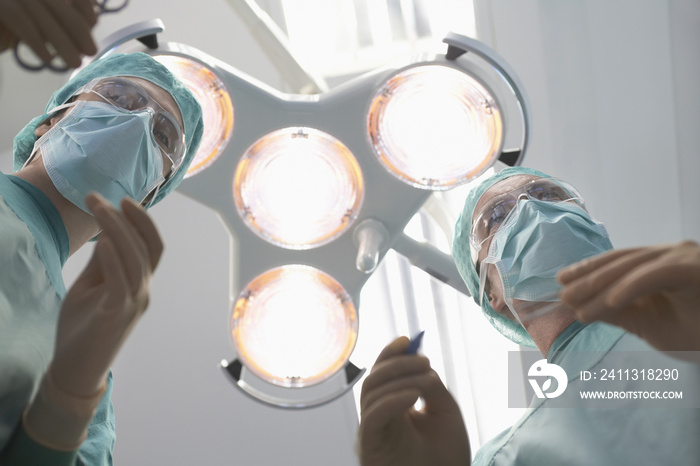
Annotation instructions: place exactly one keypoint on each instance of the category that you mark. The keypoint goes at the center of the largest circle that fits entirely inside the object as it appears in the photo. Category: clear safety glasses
(127, 95)
(491, 216)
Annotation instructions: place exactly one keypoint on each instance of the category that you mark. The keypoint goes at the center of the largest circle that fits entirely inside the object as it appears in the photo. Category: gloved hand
(65, 24)
(101, 308)
(653, 292)
(392, 432)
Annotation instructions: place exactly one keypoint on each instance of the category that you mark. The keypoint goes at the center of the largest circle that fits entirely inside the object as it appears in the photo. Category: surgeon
(116, 139)
(520, 237)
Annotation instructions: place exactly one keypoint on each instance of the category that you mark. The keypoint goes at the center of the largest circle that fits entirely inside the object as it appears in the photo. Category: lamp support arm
(431, 260)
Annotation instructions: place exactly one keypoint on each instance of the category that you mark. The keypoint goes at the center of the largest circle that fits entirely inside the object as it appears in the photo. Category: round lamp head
(294, 326)
(298, 188)
(435, 127)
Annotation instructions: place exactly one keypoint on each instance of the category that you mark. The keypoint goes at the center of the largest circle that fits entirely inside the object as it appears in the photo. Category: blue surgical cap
(137, 65)
(461, 251)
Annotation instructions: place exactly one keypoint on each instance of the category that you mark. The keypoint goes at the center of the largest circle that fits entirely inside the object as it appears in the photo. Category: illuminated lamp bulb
(298, 188)
(435, 127)
(294, 326)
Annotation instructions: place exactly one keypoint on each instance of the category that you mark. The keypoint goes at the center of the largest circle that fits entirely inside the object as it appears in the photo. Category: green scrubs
(33, 248)
(569, 431)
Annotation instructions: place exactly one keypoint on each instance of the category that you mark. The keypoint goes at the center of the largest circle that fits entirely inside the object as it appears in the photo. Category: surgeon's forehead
(160, 95)
(502, 187)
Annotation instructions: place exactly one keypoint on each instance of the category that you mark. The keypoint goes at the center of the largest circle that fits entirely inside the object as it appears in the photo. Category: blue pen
(415, 343)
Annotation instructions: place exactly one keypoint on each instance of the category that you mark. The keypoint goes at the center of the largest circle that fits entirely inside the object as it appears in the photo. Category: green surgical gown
(569, 431)
(33, 248)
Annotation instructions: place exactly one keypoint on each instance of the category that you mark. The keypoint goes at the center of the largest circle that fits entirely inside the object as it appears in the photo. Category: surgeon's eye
(129, 101)
(122, 96)
(163, 140)
(548, 192)
(165, 133)
(499, 212)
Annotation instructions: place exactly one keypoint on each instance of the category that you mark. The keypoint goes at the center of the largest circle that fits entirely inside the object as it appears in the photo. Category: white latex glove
(64, 24)
(392, 432)
(653, 292)
(98, 313)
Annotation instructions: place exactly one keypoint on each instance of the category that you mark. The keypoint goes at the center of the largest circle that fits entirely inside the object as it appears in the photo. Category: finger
(589, 286)
(372, 392)
(598, 308)
(591, 264)
(7, 38)
(53, 36)
(87, 10)
(74, 25)
(130, 249)
(115, 279)
(672, 274)
(389, 370)
(437, 398)
(142, 223)
(92, 273)
(56, 34)
(380, 414)
(632, 317)
(396, 347)
(23, 28)
(397, 366)
(52, 32)
(126, 240)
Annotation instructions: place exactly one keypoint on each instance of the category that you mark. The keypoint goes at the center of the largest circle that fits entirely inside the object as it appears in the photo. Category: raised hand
(108, 298)
(392, 432)
(653, 292)
(50, 27)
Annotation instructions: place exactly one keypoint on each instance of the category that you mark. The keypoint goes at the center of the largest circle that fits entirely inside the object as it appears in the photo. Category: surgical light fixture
(315, 189)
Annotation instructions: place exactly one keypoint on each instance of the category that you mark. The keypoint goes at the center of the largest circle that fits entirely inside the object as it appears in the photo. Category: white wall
(616, 105)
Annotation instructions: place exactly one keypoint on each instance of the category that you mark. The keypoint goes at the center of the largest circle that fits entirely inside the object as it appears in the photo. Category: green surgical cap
(137, 65)
(461, 251)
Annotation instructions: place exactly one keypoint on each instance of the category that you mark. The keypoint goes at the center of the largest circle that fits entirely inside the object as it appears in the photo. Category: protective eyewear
(491, 216)
(27, 59)
(127, 95)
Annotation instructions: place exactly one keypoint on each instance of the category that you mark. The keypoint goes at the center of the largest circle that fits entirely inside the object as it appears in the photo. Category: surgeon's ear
(494, 294)
(496, 302)
(49, 123)
(46, 125)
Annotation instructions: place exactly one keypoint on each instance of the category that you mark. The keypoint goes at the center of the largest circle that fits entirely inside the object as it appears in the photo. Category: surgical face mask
(98, 147)
(535, 241)
(127, 95)
(493, 214)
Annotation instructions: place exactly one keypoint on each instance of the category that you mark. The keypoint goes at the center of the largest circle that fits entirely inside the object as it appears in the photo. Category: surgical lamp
(315, 189)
